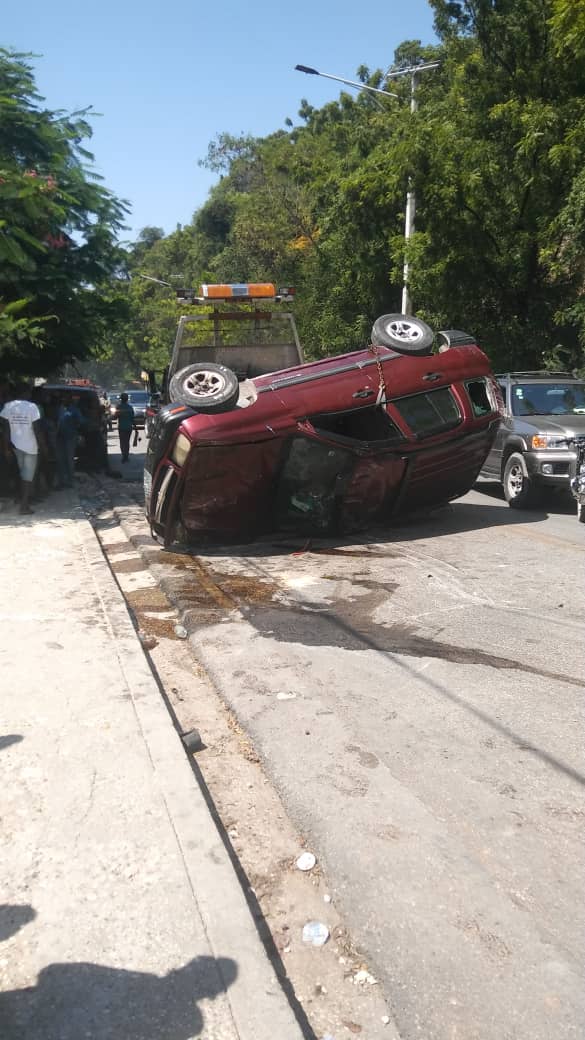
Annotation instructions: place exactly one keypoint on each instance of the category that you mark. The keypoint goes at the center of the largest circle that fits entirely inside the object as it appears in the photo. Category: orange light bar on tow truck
(239, 290)
(243, 291)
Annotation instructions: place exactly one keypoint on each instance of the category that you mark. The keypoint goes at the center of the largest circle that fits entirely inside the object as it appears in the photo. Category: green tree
(58, 227)
(495, 152)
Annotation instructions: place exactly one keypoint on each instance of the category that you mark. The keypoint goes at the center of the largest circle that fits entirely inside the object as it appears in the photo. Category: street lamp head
(341, 79)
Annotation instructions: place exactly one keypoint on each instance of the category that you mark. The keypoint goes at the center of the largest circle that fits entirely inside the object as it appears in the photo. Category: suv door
(492, 466)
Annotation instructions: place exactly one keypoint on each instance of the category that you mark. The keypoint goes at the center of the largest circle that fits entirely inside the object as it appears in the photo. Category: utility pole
(413, 71)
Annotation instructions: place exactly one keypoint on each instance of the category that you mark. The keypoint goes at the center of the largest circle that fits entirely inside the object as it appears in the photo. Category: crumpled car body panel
(318, 452)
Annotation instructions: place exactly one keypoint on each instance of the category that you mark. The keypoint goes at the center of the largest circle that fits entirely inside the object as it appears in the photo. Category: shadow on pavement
(464, 516)
(12, 919)
(556, 502)
(376, 541)
(71, 1001)
(10, 738)
(313, 626)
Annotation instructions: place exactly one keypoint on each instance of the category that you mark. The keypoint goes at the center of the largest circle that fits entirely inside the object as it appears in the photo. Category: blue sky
(167, 78)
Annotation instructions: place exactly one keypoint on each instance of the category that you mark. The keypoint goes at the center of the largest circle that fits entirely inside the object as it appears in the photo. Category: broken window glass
(311, 485)
(478, 396)
(359, 424)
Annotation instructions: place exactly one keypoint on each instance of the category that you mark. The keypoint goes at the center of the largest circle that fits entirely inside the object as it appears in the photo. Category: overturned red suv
(252, 440)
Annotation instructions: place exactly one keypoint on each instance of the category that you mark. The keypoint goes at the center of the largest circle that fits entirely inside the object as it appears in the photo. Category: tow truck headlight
(181, 449)
(542, 441)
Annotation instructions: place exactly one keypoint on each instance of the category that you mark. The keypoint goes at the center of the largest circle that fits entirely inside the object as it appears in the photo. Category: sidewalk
(122, 916)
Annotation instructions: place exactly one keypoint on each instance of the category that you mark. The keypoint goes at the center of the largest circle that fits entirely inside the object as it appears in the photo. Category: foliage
(495, 153)
(58, 229)
(568, 26)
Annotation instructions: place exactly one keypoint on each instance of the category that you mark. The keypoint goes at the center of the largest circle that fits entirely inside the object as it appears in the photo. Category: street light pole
(339, 79)
(412, 71)
(410, 216)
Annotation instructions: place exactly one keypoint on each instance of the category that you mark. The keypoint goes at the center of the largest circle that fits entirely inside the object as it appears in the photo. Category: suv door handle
(366, 392)
(431, 377)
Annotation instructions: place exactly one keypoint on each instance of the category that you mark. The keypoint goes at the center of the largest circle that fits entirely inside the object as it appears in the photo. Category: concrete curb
(258, 1004)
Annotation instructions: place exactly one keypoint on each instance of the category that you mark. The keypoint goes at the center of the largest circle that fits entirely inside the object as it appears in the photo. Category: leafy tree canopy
(495, 153)
(58, 227)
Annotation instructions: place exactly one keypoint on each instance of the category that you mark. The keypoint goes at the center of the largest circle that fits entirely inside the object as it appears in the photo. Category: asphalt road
(417, 697)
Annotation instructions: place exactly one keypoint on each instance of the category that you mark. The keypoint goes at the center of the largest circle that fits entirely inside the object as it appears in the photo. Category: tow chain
(382, 393)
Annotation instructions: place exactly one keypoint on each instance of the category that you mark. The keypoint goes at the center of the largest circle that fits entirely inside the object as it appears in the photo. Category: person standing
(21, 422)
(126, 423)
(68, 425)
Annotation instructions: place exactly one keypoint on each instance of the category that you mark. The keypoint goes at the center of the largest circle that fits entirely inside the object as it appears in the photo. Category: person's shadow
(71, 1001)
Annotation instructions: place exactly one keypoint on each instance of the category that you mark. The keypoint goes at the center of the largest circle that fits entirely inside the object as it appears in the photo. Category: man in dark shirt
(126, 424)
(69, 423)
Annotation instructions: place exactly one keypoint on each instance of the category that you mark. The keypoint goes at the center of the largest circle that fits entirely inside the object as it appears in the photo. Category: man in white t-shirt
(20, 422)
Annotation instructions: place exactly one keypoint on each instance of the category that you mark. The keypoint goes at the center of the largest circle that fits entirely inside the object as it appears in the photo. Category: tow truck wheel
(206, 387)
(402, 333)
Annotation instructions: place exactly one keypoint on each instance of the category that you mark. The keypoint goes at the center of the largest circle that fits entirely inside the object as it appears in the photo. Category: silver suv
(530, 452)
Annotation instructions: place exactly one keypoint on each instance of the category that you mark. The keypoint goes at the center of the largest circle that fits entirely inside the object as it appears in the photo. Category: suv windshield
(548, 398)
(137, 396)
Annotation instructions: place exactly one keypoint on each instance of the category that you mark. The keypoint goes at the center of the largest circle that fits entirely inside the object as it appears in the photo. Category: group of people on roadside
(39, 439)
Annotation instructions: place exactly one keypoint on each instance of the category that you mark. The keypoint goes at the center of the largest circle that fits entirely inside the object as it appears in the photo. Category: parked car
(323, 447)
(152, 409)
(112, 407)
(577, 480)
(91, 452)
(543, 411)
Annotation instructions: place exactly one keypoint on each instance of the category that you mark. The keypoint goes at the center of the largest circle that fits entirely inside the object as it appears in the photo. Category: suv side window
(360, 424)
(478, 395)
(429, 413)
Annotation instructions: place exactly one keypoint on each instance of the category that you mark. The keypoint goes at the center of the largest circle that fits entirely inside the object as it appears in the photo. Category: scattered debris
(180, 632)
(363, 977)
(306, 861)
(148, 642)
(352, 1026)
(315, 933)
(285, 696)
(192, 740)
(385, 1020)
(327, 898)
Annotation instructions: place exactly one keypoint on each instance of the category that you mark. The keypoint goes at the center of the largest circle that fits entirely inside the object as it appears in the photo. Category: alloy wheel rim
(405, 331)
(205, 384)
(515, 481)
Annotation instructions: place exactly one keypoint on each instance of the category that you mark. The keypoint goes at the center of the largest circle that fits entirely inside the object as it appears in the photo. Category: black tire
(519, 491)
(206, 387)
(580, 512)
(402, 333)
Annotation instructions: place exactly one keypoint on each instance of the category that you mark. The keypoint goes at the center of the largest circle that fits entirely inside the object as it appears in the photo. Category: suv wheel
(402, 333)
(206, 387)
(580, 512)
(519, 490)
